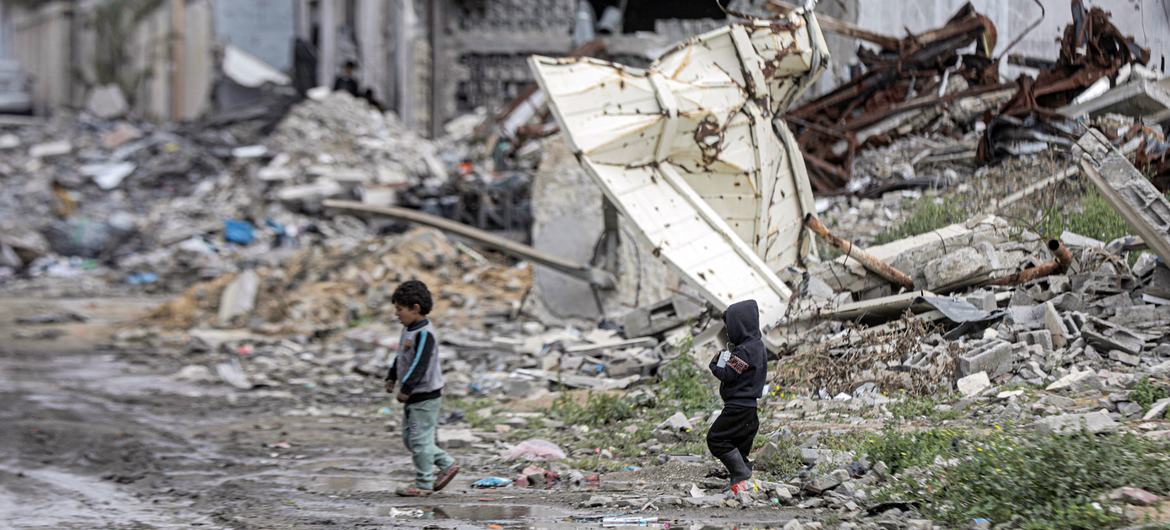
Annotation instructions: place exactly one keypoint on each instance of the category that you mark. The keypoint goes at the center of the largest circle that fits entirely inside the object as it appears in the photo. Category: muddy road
(96, 438)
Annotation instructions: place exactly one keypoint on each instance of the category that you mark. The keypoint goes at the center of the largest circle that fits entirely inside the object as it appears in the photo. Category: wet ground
(94, 438)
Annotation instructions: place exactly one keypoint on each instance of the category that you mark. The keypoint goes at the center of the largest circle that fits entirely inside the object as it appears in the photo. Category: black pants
(735, 428)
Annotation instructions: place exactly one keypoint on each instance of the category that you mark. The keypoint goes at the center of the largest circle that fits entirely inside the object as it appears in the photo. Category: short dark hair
(413, 292)
(350, 64)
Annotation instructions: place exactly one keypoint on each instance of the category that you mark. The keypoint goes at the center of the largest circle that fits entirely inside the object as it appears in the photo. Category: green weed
(600, 409)
(1037, 481)
(901, 450)
(1146, 393)
(928, 214)
(920, 408)
(1093, 217)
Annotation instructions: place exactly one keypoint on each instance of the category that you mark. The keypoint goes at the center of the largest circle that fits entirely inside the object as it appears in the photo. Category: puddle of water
(341, 484)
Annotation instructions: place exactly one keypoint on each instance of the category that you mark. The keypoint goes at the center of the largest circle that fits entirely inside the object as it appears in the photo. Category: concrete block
(956, 269)
(993, 357)
(1094, 422)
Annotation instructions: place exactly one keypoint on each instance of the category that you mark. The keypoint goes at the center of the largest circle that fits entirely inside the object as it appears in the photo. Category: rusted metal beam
(597, 277)
(867, 260)
(1062, 259)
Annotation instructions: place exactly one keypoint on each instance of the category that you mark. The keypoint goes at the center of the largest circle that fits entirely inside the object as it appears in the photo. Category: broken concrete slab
(1078, 382)
(1157, 410)
(1127, 190)
(973, 385)
(239, 297)
(1093, 422)
(1055, 326)
(50, 149)
(107, 102)
(1140, 99)
(964, 266)
(659, 317)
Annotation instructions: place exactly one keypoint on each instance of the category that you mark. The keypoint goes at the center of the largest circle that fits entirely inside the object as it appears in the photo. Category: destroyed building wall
(58, 44)
(41, 41)
(1147, 20)
(568, 222)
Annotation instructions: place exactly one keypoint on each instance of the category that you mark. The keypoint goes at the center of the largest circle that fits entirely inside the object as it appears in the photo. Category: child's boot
(737, 468)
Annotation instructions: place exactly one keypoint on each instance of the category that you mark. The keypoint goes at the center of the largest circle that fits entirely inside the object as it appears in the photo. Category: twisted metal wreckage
(692, 152)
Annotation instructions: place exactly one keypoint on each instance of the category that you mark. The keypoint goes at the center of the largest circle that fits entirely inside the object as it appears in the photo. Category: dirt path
(101, 439)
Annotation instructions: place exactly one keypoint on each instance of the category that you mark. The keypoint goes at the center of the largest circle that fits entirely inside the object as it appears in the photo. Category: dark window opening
(641, 14)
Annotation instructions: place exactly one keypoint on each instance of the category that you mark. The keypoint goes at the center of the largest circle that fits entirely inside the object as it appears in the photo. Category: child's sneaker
(412, 491)
(445, 476)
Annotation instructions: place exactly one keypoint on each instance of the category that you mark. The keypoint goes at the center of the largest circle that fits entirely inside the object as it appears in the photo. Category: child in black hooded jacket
(741, 370)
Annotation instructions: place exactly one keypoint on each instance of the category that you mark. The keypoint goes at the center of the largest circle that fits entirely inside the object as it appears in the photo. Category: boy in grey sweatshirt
(417, 368)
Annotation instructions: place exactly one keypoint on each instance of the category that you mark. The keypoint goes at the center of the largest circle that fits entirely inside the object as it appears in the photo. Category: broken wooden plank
(1127, 190)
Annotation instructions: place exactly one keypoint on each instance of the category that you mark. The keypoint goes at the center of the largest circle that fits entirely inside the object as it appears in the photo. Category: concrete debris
(1093, 422)
(107, 102)
(277, 234)
(1129, 191)
(239, 297)
(974, 384)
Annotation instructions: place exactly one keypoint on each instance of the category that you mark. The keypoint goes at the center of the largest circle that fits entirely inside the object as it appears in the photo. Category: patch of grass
(686, 387)
(778, 457)
(1036, 481)
(471, 408)
(901, 450)
(1146, 393)
(928, 214)
(600, 409)
(1091, 216)
(920, 408)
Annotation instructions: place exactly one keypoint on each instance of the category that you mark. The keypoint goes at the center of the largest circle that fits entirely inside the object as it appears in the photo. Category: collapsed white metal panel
(690, 152)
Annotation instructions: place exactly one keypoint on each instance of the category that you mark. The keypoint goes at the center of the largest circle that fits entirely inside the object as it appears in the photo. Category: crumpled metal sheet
(687, 151)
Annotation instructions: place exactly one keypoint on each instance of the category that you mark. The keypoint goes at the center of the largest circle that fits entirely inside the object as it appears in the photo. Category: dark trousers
(735, 428)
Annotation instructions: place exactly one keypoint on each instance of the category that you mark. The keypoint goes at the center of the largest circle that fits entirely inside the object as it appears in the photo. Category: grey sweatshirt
(417, 363)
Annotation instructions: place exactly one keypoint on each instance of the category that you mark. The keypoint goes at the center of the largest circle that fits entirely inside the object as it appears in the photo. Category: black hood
(743, 321)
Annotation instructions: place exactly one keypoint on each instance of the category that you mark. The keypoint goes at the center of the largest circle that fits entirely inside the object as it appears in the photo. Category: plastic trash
(631, 520)
(535, 449)
(238, 232)
(491, 482)
(142, 278)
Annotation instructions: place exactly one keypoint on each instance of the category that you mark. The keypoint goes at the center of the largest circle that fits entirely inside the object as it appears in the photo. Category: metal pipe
(596, 277)
(1060, 263)
(867, 260)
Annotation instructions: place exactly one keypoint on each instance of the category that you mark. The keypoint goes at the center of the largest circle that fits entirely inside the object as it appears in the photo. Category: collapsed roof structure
(691, 152)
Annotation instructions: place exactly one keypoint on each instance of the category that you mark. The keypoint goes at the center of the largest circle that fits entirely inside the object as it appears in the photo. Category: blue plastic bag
(491, 482)
(238, 232)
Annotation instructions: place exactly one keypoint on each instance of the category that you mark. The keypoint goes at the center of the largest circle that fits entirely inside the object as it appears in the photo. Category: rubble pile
(971, 323)
(157, 206)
